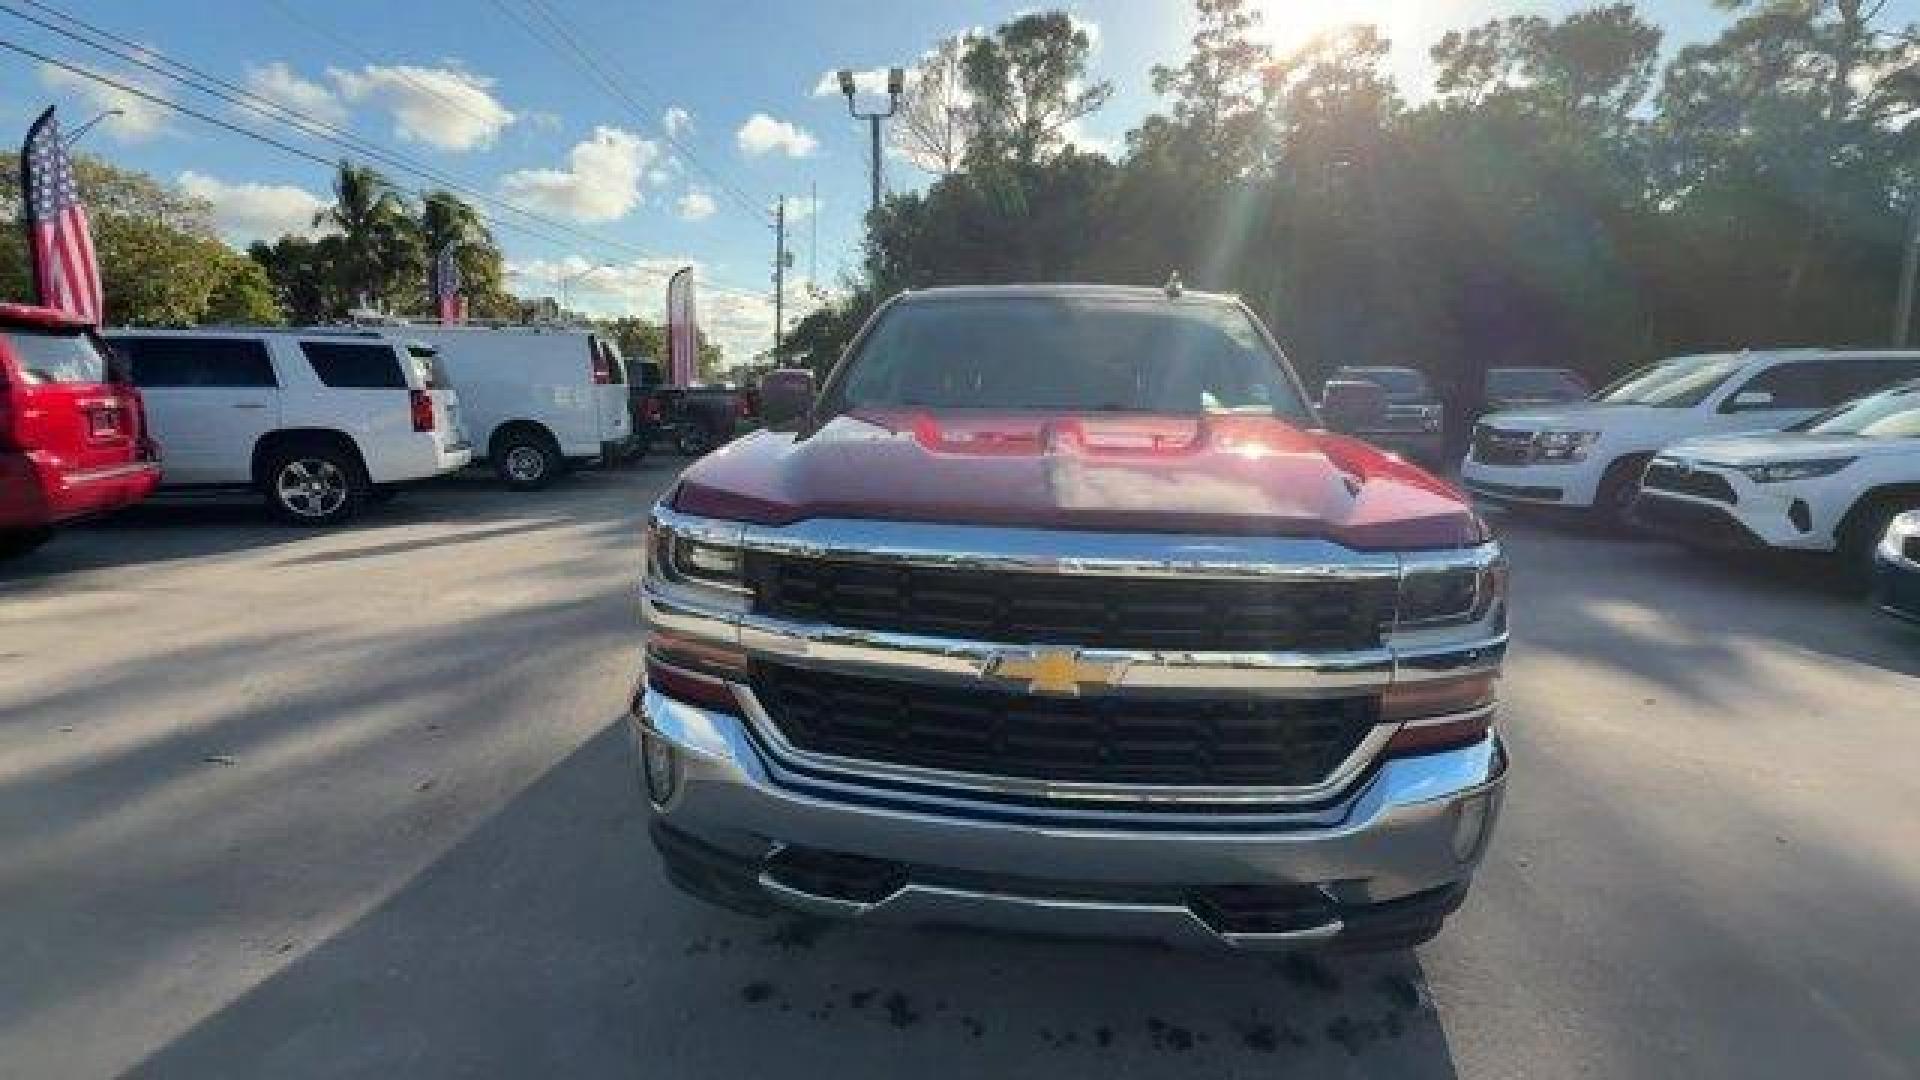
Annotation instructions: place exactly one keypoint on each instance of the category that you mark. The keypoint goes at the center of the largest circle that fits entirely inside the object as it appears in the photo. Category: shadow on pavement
(548, 943)
(167, 530)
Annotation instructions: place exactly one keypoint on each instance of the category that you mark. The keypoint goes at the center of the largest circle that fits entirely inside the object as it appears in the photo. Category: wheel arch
(519, 424)
(1867, 503)
(280, 439)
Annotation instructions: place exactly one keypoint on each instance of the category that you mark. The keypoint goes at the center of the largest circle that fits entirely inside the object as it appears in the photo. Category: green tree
(1027, 81)
(383, 257)
(160, 261)
(243, 295)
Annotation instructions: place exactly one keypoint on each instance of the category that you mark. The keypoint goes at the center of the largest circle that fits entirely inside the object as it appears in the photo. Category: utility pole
(779, 273)
(1909, 269)
(896, 85)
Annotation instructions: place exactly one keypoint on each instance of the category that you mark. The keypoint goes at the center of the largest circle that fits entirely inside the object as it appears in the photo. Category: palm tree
(371, 216)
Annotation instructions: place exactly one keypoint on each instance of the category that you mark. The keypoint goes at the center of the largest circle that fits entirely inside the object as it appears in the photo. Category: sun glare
(1288, 24)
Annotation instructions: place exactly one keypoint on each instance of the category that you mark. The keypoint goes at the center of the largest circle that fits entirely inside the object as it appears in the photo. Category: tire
(317, 484)
(525, 459)
(1618, 488)
(20, 542)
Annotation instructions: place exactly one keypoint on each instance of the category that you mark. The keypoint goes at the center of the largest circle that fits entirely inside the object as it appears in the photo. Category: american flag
(446, 283)
(64, 266)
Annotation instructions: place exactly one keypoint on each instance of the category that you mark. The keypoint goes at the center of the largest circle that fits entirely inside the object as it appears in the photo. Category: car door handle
(249, 405)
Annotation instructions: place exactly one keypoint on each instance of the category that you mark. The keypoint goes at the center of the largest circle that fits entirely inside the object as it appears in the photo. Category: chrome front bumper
(1413, 827)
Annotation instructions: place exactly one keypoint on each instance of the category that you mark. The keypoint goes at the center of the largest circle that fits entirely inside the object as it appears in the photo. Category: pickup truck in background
(1062, 610)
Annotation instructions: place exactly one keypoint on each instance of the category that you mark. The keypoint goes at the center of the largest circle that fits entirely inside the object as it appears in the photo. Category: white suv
(1832, 483)
(317, 421)
(1591, 454)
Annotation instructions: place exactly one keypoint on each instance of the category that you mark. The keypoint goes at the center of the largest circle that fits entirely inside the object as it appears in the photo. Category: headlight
(703, 554)
(1438, 596)
(1774, 472)
(1564, 445)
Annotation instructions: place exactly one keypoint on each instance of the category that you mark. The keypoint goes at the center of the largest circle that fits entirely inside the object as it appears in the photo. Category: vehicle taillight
(650, 410)
(422, 411)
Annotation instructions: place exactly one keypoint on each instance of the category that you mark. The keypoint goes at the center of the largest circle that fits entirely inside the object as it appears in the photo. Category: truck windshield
(1679, 383)
(1889, 414)
(1080, 354)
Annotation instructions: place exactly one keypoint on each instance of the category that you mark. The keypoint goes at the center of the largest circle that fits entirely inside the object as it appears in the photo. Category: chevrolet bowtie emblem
(1055, 672)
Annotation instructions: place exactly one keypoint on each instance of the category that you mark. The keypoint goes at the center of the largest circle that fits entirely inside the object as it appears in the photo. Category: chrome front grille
(1175, 614)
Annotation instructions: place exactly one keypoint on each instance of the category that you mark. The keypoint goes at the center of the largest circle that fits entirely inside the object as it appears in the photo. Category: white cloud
(248, 212)
(677, 121)
(600, 183)
(801, 207)
(139, 118)
(279, 84)
(444, 107)
(1078, 137)
(740, 322)
(696, 205)
(659, 178)
(762, 134)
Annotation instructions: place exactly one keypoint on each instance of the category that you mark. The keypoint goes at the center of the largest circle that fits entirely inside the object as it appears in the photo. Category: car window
(1402, 381)
(354, 365)
(426, 363)
(1890, 414)
(1679, 383)
(609, 354)
(194, 361)
(1521, 382)
(1787, 386)
(1858, 376)
(57, 356)
(1087, 354)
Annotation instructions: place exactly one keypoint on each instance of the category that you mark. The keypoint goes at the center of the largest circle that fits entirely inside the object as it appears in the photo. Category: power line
(286, 147)
(598, 73)
(299, 121)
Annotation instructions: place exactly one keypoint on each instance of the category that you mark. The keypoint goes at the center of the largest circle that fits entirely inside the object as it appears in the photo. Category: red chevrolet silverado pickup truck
(1061, 610)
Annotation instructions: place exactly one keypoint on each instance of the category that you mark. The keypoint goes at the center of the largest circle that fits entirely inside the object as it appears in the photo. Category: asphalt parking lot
(278, 803)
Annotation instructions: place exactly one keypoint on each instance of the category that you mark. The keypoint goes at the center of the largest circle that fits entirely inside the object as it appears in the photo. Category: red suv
(72, 434)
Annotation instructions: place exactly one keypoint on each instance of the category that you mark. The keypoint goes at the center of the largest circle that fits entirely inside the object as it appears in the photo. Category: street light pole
(896, 85)
(74, 135)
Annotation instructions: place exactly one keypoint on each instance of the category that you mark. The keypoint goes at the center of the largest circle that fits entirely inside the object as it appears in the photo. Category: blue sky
(474, 91)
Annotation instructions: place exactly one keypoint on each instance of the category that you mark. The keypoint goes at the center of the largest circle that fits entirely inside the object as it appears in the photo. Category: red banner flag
(683, 336)
(66, 273)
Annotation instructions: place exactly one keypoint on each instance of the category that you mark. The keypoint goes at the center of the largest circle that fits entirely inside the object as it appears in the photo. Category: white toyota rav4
(1591, 454)
(1832, 483)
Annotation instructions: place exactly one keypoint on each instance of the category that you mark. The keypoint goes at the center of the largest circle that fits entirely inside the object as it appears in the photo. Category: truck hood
(1760, 447)
(1139, 473)
(1575, 415)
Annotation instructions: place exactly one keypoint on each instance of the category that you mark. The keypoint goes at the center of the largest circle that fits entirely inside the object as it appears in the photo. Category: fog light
(1470, 828)
(1800, 515)
(661, 765)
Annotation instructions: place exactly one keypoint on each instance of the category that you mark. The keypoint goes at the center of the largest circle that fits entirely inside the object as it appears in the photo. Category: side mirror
(1351, 406)
(1753, 399)
(785, 395)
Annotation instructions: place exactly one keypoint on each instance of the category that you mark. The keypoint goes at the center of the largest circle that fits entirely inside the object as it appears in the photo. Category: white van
(318, 421)
(536, 398)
